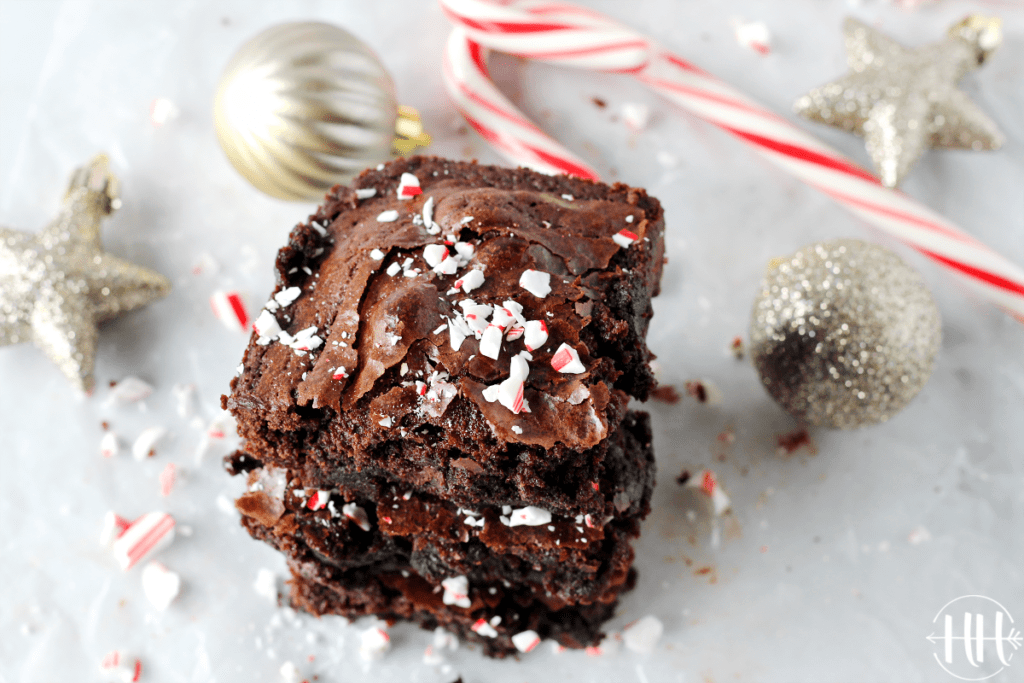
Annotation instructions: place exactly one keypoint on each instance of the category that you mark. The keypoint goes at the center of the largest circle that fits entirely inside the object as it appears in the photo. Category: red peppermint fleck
(318, 501)
(167, 478)
(625, 238)
(708, 483)
(230, 310)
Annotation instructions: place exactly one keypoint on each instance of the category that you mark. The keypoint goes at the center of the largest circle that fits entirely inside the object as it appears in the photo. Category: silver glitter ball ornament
(844, 334)
(303, 106)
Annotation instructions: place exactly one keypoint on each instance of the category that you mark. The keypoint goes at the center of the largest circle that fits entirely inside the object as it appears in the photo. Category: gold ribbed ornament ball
(303, 106)
(844, 334)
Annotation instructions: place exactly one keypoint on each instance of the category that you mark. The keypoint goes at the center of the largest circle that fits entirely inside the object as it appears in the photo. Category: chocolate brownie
(450, 341)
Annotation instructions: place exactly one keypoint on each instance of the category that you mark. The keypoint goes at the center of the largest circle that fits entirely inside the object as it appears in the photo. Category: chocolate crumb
(105, 425)
(697, 389)
(683, 477)
(598, 102)
(666, 393)
(791, 442)
(737, 348)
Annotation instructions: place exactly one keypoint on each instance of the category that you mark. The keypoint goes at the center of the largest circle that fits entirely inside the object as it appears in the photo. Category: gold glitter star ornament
(57, 286)
(903, 101)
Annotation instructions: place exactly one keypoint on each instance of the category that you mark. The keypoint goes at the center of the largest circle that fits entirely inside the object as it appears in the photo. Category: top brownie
(473, 331)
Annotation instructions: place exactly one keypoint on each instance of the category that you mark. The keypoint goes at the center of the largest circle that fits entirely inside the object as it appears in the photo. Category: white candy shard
(708, 483)
(408, 186)
(643, 634)
(267, 327)
(529, 516)
(373, 643)
(393, 269)
(113, 526)
(490, 342)
(465, 250)
(129, 390)
(470, 280)
(366, 192)
(428, 212)
(357, 515)
(481, 627)
(145, 444)
(288, 295)
(526, 640)
(126, 669)
(567, 360)
(146, 535)
(389, 216)
(535, 335)
(265, 584)
(456, 591)
(754, 35)
(160, 585)
(636, 115)
(376, 254)
(109, 446)
(624, 238)
(290, 672)
(536, 282)
(433, 254)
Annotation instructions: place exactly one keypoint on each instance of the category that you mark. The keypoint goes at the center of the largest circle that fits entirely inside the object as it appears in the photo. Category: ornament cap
(983, 34)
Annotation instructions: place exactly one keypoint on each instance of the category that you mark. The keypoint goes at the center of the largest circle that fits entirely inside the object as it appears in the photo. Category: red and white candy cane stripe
(572, 36)
(146, 535)
(230, 310)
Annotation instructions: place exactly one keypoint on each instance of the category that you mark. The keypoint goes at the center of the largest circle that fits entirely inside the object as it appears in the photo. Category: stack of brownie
(434, 402)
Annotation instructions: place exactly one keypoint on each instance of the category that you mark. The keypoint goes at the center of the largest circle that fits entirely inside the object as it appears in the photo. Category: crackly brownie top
(429, 280)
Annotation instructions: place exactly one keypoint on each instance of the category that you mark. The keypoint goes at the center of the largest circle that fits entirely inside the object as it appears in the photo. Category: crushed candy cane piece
(408, 186)
(290, 673)
(145, 444)
(318, 501)
(624, 238)
(754, 35)
(481, 627)
(529, 516)
(127, 669)
(130, 390)
(109, 446)
(434, 254)
(428, 212)
(465, 250)
(160, 585)
(515, 332)
(287, 296)
(470, 280)
(708, 483)
(357, 515)
(266, 584)
(162, 110)
(267, 327)
(114, 525)
(146, 535)
(229, 308)
(389, 216)
(490, 343)
(393, 269)
(167, 478)
(526, 640)
(636, 116)
(536, 282)
(643, 634)
(456, 591)
(374, 643)
(376, 254)
(535, 334)
(567, 360)
(366, 192)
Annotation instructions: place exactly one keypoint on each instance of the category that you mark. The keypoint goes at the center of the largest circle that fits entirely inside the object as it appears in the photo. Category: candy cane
(573, 36)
